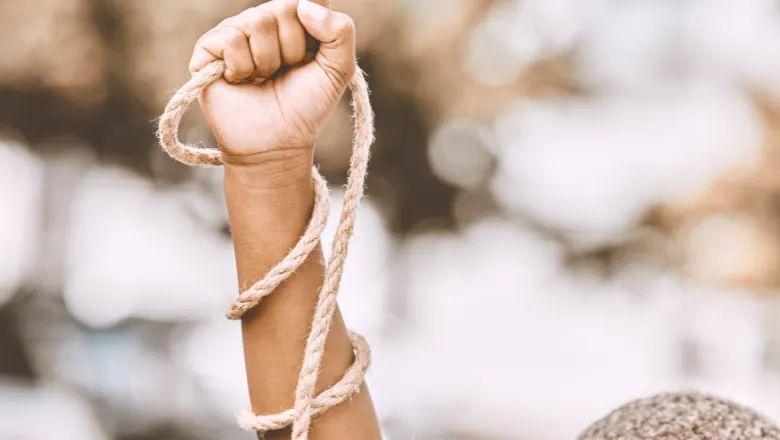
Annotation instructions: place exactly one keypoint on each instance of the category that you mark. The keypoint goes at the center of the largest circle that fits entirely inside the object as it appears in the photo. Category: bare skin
(266, 114)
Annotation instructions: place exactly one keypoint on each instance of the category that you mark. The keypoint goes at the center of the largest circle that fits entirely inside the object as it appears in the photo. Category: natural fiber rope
(306, 403)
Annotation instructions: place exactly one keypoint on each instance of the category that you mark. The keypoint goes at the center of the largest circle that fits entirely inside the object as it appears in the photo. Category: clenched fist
(288, 64)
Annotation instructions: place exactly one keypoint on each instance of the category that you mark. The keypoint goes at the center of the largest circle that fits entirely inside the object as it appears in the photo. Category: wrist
(269, 170)
(269, 204)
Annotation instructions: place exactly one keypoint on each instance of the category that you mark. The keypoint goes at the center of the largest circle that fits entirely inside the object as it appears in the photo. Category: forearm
(269, 207)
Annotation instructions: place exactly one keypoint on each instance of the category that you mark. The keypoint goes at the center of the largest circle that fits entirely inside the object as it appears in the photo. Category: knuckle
(344, 26)
(259, 20)
(244, 71)
(290, 7)
(269, 68)
(266, 70)
(233, 37)
(200, 40)
(267, 61)
(280, 6)
(206, 37)
(265, 21)
(294, 56)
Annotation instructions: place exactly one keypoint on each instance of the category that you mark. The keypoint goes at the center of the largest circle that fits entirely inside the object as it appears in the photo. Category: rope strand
(307, 404)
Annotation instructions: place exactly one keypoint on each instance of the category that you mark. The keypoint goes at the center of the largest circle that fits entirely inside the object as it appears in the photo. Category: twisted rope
(306, 403)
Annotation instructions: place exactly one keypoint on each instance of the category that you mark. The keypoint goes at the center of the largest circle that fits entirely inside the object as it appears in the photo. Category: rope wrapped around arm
(307, 404)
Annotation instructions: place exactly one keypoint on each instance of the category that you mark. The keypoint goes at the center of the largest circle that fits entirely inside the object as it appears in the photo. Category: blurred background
(571, 204)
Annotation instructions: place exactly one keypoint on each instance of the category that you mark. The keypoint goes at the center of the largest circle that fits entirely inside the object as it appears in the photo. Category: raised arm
(266, 114)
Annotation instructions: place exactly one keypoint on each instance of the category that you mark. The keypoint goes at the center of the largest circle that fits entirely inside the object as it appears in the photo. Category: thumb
(336, 33)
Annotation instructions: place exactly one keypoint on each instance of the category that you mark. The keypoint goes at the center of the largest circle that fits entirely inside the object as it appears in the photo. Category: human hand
(276, 93)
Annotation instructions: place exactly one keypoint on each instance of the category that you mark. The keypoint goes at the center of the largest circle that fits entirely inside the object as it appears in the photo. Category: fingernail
(313, 10)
